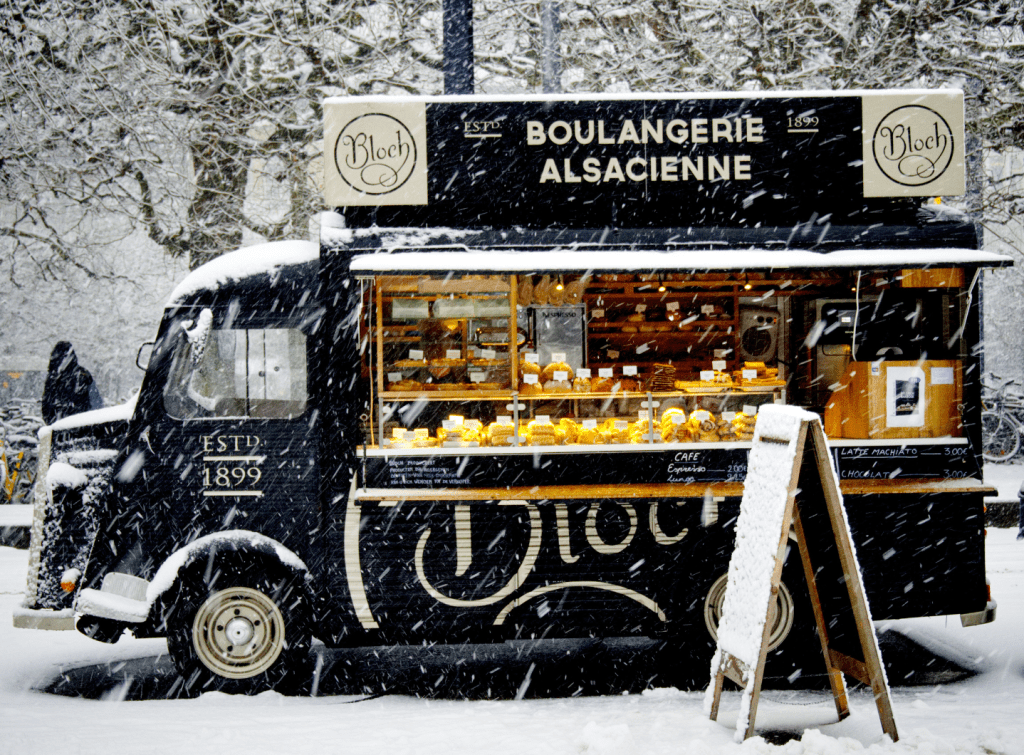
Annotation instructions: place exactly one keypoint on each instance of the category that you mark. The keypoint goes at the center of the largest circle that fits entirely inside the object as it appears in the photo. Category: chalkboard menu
(539, 467)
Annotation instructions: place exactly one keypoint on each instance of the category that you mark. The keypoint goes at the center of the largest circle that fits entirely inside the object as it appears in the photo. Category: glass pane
(236, 373)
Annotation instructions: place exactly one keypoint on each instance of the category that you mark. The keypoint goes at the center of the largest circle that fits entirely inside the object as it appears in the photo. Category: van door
(228, 440)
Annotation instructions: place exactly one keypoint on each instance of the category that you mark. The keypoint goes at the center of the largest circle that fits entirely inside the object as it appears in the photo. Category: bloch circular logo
(913, 145)
(375, 153)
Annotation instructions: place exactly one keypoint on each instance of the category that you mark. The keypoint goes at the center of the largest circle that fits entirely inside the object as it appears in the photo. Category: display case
(579, 360)
(470, 361)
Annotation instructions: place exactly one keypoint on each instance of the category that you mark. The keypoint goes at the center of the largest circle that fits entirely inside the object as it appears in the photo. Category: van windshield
(229, 372)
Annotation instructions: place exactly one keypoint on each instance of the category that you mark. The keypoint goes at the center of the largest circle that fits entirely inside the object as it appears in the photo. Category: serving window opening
(663, 357)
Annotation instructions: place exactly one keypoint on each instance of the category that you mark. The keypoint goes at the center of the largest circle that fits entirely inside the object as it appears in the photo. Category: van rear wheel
(239, 628)
(780, 617)
(794, 651)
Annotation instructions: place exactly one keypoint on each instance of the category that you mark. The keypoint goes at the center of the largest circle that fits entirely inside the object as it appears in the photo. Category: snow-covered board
(791, 484)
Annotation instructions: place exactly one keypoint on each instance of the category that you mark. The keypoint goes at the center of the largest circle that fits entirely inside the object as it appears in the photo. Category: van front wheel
(238, 629)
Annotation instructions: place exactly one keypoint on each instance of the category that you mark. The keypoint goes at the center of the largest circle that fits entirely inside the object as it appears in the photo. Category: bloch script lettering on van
(464, 551)
(517, 590)
(231, 465)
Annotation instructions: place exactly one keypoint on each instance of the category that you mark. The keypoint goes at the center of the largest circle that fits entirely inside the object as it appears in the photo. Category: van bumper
(986, 616)
(49, 619)
(121, 598)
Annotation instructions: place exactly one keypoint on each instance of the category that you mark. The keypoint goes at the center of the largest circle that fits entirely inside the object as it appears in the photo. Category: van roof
(277, 264)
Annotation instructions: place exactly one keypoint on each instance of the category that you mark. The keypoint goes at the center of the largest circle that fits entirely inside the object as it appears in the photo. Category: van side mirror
(143, 356)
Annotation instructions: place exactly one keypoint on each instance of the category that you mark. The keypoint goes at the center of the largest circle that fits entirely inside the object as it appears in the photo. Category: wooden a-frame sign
(808, 500)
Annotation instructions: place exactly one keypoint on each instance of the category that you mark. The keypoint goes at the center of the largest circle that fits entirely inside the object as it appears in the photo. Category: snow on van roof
(392, 239)
(245, 263)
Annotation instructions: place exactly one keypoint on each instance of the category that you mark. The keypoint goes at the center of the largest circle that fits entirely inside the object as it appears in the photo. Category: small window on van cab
(259, 373)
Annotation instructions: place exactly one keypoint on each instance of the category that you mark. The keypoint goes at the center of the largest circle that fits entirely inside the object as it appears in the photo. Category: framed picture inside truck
(512, 391)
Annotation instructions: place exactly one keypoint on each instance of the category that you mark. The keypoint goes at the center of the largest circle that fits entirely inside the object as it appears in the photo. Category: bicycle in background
(18, 446)
(1002, 419)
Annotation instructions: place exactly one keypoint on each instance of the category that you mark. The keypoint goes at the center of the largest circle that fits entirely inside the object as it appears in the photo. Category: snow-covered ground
(979, 716)
(1006, 477)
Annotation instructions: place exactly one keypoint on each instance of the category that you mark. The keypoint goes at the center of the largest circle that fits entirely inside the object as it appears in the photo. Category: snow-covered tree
(197, 122)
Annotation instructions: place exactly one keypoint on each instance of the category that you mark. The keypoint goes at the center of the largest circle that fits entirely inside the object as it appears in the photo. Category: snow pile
(758, 530)
(389, 240)
(62, 475)
(198, 333)
(586, 258)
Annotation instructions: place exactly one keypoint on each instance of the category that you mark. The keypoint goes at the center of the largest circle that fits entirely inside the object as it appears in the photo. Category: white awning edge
(579, 260)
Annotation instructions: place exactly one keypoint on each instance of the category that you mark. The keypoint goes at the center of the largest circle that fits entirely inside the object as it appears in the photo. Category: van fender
(208, 546)
(144, 605)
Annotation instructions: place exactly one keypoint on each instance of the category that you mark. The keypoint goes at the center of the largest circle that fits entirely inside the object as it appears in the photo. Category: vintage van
(512, 391)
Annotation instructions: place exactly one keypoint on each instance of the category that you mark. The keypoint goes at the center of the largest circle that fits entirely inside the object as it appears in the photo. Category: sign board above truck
(640, 160)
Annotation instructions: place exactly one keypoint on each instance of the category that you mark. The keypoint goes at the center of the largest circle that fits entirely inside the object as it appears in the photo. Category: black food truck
(512, 392)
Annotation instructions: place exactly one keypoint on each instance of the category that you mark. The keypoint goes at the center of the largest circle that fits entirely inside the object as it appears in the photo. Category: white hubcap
(238, 633)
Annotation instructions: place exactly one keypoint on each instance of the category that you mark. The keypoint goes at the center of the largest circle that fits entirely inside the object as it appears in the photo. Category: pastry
(574, 291)
(421, 439)
(531, 389)
(405, 385)
(557, 386)
(541, 290)
(524, 291)
(528, 368)
(613, 433)
(743, 426)
(570, 429)
(548, 373)
(499, 434)
(556, 294)
(540, 434)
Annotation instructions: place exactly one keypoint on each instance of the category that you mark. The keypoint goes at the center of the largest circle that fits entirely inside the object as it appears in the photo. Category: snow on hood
(244, 263)
(61, 475)
(118, 413)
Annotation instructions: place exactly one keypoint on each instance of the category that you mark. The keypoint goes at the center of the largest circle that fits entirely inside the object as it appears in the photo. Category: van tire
(795, 661)
(782, 614)
(239, 625)
(794, 658)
